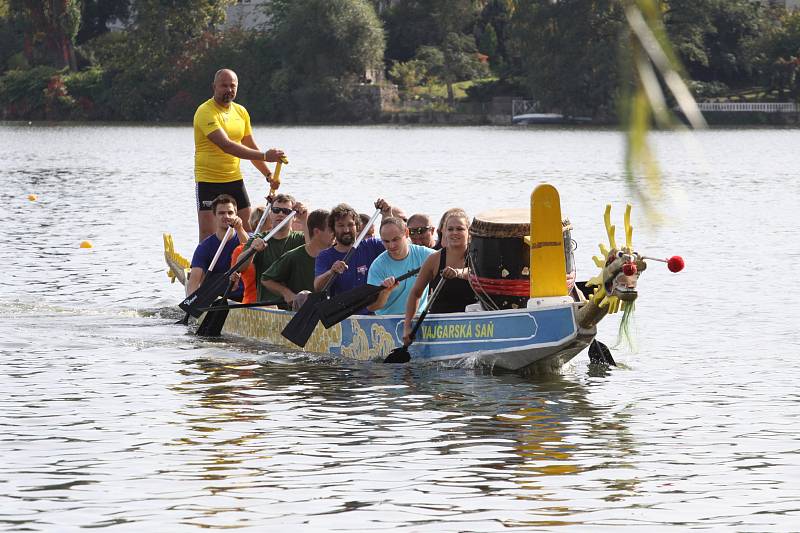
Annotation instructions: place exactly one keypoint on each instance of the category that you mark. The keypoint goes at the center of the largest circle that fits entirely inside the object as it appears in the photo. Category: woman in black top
(450, 263)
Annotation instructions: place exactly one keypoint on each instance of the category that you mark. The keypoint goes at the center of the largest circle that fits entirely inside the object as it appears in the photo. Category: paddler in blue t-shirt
(224, 209)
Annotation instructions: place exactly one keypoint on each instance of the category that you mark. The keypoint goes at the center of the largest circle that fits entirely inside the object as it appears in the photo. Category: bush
(708, 89)
(484, 91)
(87, 89)
(22, 92)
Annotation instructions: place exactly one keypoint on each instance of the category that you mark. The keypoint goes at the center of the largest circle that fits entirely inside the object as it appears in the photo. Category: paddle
(210, 274)
(600, 354)
(276, 178)
(212, 323)
(264, 303)
(342, 306)
(208, 292)
(401, 355)
(302, 324)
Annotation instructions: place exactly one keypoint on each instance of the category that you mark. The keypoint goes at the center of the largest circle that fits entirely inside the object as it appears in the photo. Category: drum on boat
(499, 258)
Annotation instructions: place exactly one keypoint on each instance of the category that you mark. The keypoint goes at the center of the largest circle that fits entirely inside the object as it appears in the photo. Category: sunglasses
(281, 210)
(419, 231)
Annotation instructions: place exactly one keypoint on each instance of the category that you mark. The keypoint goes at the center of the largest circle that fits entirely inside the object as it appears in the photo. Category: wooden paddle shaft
(228, 233)
(276, 177)
(424, 313)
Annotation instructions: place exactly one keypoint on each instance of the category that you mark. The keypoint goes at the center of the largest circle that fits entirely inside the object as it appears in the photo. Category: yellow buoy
(32, 197)
(86, 244)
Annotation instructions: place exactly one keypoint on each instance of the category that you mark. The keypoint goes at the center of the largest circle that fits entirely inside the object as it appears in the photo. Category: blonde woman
(448, 263)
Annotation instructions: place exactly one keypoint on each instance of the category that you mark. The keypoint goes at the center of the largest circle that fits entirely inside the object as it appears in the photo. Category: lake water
(112, 417)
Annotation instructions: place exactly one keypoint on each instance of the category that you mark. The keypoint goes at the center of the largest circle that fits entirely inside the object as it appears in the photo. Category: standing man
(400, 257)
(421, 231)
(222, 137)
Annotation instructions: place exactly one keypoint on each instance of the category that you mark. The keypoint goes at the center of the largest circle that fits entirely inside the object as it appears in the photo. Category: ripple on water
(113, 418)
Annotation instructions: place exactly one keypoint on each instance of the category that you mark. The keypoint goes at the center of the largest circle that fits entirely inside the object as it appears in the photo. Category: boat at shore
(522, 323)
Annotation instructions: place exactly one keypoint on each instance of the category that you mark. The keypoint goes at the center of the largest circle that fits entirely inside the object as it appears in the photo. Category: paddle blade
(600, 354)
(210, 290)
(212, 323)
(398, 355)
(304, 321)
(335, 309)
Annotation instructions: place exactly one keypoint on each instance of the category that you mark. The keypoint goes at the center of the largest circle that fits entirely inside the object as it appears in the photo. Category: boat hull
(514, 339)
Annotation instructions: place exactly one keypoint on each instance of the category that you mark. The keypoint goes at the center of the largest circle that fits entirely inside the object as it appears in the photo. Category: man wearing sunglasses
(280, 243)
(421, 231)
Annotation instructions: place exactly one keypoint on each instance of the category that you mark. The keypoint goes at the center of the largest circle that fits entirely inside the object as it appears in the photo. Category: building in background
(246, 14)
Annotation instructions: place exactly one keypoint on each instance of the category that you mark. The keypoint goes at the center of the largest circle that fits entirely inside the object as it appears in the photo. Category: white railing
(761, 107)
(521, 107)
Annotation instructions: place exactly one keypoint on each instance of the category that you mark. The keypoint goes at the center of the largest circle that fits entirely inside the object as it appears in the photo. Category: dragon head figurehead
(615, 285)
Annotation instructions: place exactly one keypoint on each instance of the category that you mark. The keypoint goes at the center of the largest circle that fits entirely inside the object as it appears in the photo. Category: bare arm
(249, 142)
(238, 225)
(302, 216)
(195, 279)
(322, 279)
(338, 267)
(425, 276)
(279, 288)
(388, 286)
(220, 138)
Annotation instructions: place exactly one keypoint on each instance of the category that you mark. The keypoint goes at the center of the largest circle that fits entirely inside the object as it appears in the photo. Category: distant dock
(774, 113)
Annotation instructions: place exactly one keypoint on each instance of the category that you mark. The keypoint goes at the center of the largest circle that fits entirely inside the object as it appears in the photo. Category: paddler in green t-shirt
(292, 276)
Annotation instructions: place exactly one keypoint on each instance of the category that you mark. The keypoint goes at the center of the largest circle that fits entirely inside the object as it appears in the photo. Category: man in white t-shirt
(400, 257)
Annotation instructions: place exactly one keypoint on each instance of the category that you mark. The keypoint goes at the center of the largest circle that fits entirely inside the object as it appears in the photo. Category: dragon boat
(526, 319)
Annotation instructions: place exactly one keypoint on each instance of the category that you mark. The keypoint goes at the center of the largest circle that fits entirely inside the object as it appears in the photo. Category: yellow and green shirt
(211, 164)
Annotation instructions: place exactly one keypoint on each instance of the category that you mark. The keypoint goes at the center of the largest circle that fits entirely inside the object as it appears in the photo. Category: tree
(414, 23)
(716, 39)
(568, 54)
(407, 74)
(488, 41)
(494, 20)
(325, 45)
(97, 14)
(49, 30)
(455, 60)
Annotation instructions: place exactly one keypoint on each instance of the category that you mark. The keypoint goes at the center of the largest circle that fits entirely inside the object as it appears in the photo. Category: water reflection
(443, 443)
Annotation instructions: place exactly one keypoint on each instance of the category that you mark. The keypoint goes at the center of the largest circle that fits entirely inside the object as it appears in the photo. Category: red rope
(503, 287)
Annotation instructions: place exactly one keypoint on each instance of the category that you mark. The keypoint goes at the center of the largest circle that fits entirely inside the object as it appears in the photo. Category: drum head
(502, 223)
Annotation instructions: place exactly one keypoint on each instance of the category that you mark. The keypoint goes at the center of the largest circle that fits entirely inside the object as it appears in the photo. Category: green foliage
(455, 60)
(97, 14)
(329, 38)
(717, 40)
(568, 54)
(407, 74)
(49, 28)
(411, 24)
(708, 89)
(35, 93)
(10, 43)
(324, 46)
(488, 41)
(496, 15)
(484, 91)
(254, 59)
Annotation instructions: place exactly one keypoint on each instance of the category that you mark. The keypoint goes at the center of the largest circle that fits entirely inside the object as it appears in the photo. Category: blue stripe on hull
(447, 336)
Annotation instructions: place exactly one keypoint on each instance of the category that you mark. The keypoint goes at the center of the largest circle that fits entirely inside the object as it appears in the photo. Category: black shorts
(205, 193)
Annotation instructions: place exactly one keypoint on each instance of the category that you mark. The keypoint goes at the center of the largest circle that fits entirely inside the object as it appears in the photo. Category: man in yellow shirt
(222, 137)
